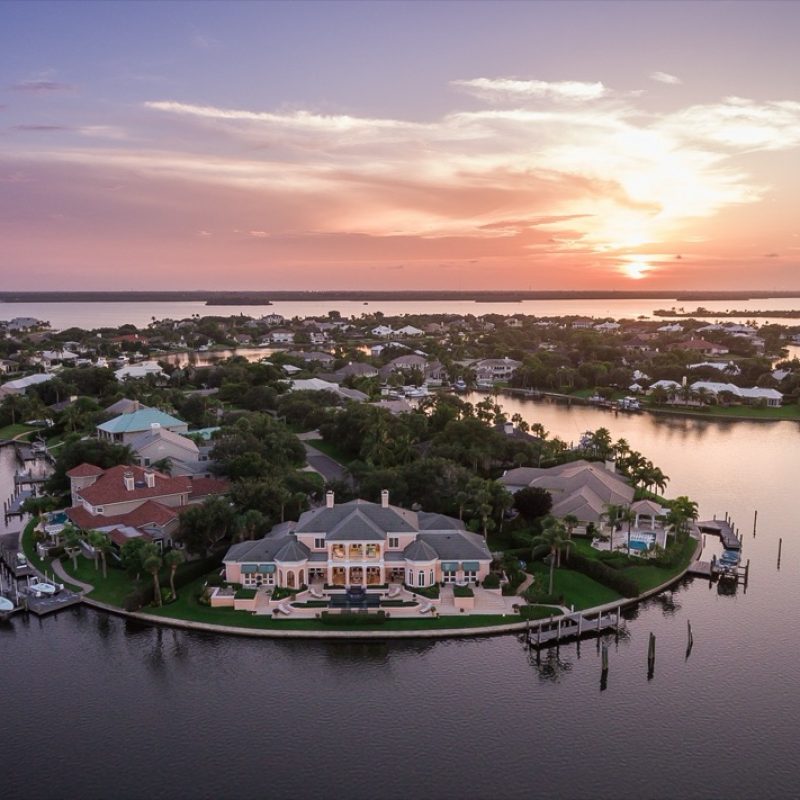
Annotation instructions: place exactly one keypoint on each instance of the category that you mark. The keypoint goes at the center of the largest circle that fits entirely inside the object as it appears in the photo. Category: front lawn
(10, 431)
(577, 588)
(112, 589)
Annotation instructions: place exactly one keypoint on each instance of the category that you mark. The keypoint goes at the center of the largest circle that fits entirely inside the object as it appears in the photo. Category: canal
(97, 706)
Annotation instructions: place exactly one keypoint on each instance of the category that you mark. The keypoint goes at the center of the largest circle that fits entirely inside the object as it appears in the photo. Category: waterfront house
(138, 371)
(126, 427)
(384, 331)
(361, 544)
(581, 488)
(490, 370)
(133, 496)
(281, 336)
(182, 454)
(21, 385)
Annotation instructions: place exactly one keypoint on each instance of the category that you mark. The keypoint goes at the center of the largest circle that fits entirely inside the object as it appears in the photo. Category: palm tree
(151, 562)
(99, 541)
(173, 559)
(554, 536)
(683, 509)
(612, 516)
(72, 543)
(627, 515)
(571, 522)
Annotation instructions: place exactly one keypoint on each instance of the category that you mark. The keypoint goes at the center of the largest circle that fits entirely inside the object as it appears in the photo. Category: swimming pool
(640, 542)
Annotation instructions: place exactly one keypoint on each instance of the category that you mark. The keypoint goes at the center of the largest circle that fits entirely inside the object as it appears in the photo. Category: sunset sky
(399, 145)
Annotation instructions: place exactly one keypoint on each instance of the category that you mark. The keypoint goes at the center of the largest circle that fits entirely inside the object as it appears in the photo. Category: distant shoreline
(222, 298)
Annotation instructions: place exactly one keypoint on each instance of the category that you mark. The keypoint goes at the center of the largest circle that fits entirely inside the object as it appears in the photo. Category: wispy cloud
(41, 86)
(558, 170)
(499, 89)
(665, 77)
(41, 128)
(204, 41)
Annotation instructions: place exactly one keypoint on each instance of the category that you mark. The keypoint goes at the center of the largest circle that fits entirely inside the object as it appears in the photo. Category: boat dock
(723, 528)
(571, 626)
(47, 604)
(27, 478)
(13, 506)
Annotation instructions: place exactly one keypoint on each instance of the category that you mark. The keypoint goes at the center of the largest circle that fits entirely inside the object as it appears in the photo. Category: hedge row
(604, 574)
(144, 594)
(350, 618)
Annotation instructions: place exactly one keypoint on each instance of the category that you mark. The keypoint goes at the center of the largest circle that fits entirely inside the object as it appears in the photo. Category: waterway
(98, 707)
(66, 315)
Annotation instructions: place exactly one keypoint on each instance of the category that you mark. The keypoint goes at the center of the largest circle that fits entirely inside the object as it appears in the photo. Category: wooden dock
(13, 506)
(724, 529)
(41, 606)
(701, 568)
(571, 626)
(26, 478)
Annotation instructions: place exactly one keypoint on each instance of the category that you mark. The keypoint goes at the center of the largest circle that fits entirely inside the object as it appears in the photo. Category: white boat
(39, 587)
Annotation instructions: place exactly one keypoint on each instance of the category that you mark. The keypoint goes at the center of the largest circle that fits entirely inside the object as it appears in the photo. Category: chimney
(328, 499)
(384, 498)
(154, 426)
(127, 477)
(508, 428)
(150, 478)
(611, 466)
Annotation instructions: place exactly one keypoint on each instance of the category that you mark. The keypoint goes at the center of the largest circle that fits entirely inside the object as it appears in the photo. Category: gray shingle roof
(456, 545)
(385, 520)
(420, 551)
(292, 551)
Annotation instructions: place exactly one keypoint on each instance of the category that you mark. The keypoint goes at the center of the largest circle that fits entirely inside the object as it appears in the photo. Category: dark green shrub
(602, 573)
(431, 592)
(491, 581)
(463, 591)
(352, 619)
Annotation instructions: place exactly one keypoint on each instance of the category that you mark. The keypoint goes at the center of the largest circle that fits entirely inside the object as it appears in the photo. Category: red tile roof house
(135, 497)
(700, 346)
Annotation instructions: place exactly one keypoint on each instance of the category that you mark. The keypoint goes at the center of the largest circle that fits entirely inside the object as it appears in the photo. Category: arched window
(290, 579)
(421, 578)
(430, 583)
(301, 581)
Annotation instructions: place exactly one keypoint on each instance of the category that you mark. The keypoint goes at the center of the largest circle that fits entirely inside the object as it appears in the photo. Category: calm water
(66, 315)
(98, 707)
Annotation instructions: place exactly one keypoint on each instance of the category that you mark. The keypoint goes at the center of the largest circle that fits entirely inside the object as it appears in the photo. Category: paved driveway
(329, 469)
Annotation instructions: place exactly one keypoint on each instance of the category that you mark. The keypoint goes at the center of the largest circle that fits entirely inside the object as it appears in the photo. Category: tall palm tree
(173, 559)
(99, 541)
(627, 515)
(571, 522)
(151, 562)
(612, 516)
(554, 536)
(72, 543)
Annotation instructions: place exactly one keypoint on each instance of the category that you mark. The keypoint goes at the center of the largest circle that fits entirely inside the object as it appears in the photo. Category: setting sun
(636, 270)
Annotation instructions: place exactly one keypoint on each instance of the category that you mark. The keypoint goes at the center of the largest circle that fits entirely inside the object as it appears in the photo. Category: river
(98, 707)
(67, 315)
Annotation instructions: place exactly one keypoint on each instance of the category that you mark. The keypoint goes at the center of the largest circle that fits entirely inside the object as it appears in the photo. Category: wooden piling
(755, 521)
(690, 637)
(651, 649)
(604, 656)
(780, 547)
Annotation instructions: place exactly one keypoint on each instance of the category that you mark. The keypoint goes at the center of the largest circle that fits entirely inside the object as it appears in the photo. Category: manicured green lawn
(186, 607)
(112, 589)
(10, 431)
(648, 577)
(789, 412)
(578, 589)
(33, 559)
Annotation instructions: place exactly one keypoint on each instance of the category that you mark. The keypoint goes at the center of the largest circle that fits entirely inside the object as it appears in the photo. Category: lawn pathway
(59, 570)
